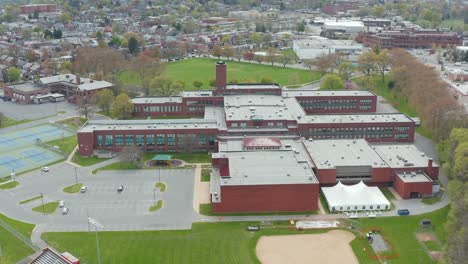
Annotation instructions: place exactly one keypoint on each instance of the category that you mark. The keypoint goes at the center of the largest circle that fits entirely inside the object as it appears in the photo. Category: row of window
(158, 139)
(160, 108)
(348, 208)
(355, 132)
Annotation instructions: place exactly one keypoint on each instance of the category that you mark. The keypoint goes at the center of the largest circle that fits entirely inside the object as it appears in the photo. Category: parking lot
(126, 210)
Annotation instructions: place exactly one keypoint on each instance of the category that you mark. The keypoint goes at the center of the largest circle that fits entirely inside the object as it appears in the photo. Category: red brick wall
(221, 78)
(382, 175)
(326, 176)
(85, 143)
(268, 198)
(404, 189)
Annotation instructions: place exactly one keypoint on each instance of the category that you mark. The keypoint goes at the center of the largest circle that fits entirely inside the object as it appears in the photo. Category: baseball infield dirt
(331, 247)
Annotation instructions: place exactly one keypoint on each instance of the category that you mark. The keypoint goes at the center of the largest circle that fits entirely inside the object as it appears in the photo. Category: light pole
(97, 225)
(76, 177)
(154, 196)
(159, 170)
(42, 202)
(13, 175)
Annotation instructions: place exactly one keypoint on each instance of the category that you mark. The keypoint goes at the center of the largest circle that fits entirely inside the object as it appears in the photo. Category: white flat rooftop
(327, 154)
(296, 93)
(253, 86)
(359, 118)
(413, 177)
(402, 155)
(267, 168)
(156, 100)
(166, 124)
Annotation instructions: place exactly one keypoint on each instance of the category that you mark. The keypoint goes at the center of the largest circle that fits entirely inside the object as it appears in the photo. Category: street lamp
(159, 169)
(76, 177)
(154, 196)
(13, 175)
(97, 225)
(42, 202)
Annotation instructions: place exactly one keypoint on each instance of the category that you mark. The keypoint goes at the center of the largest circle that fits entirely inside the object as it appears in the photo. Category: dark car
(253, 228)
(403, 212)
(120, 189)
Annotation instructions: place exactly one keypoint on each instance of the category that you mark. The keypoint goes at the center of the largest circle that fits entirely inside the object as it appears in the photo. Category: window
(363, 207)
(161, 140)
(341, 208)
(371, 207)
(212, 140)
(109, 140)
(243, 124)
(233, 124)
(202, 139)
(150, 140)
(119, 140)
(171, 139)
(140, 140)
(378, 206)
(99, 140)
(129, 140)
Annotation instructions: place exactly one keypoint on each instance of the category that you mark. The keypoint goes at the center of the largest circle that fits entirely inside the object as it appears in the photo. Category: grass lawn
(205, 175)
(157, 206)
(208, 243)
(205, 209)
(9, 185)
(85, 161)
(432, 200)
(203, 69)
(73, 123)
(31, 199)
(66, 145)
(48, 208)
(432, 245)
(73, 188)
(6, 122)
(13, 250)
(399, 231)
(389, 195)
(161, 186)
(323, 201)
(120, 165)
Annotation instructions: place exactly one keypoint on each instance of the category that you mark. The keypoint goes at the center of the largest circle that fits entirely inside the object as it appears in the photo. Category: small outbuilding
(162, 160)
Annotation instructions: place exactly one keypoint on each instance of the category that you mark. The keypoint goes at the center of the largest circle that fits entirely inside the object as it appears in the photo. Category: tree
(57, 33)
(14, 74)
(147, 68)
(92, 60)
(65, 18)
(122, 107)
(346, 70)
(259, 58)
(256, 38)
(325, 63)
(66, 67)
(198, 84)
(133, 45)
(162, 86)
(285, 59)
(132, 154)
(309, 63)
(382, 62)
(217, 50)
(104, 100)
(229, 51)
(271, 55)
(300, 27)
(366, 63)
(48, 34)
(332, 82)
(86, 106)
(30, 55)
(249, 56)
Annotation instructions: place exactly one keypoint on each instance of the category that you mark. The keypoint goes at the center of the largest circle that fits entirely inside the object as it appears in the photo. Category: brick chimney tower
(220, 75)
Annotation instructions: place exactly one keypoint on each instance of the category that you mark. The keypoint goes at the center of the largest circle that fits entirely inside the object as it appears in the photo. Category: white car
(65, 210)
(83, 189)
(61, 204)
(46, 169)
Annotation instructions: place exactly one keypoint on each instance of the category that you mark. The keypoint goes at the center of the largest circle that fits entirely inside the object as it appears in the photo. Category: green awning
(160, 157)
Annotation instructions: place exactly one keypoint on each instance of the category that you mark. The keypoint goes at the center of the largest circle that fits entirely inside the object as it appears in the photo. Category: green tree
(104, 100)
(300, 27)
(198, 84)
(65, 18)
(66, 67)
(57, 33)
(382, 62)
(271, 55)
(133, 45)
(229, 51)
(122, 107)
(162, 86)
(14, 74)
(332, 82)
(346, 70)
(256, 38)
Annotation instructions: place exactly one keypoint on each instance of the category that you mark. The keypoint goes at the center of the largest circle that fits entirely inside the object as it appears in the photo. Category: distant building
(457, 79)
(48, 255)
(29, 9)
(410, 39)
(315, 46)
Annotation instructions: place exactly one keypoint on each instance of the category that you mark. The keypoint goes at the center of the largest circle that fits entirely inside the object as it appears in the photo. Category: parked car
(83, 189)
(403, 212)
(253, 228)
(46, 169)
(120, 189)
(62, 204)
(65, 210)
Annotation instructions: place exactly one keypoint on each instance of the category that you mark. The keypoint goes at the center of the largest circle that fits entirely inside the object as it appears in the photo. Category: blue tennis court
(28, 136)
(19, 151)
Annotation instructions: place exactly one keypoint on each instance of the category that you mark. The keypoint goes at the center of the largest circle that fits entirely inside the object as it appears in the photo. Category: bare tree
(86, 106)
(132, 154)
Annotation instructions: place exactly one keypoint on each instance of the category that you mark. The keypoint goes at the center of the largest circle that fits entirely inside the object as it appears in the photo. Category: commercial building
(24, 93)
(457, 79)
(315, 46)
(29, 9)
(410, 39)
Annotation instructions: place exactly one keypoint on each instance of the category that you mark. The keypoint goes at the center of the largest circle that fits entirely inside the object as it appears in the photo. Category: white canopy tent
(358, 197)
